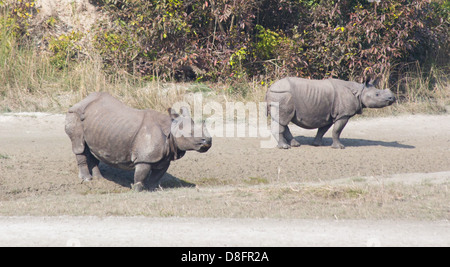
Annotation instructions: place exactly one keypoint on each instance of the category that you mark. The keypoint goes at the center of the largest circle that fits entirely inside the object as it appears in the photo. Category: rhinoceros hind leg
(280, 130)
(281, 110)
(83, 170)
(278, 133)
(93, 166)
(88, 165)
(74, 130)
(320, 133)
(290, 138)
(295, 143)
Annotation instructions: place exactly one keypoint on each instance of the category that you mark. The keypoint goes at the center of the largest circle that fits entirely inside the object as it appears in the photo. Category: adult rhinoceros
(319, 104)
(102, 128)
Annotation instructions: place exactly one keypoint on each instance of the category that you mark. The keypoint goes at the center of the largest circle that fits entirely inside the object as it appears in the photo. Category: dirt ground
(36, 156)
(394, 169)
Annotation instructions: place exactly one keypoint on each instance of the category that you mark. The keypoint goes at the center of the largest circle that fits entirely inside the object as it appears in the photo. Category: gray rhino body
(319, 104)
(102, 128)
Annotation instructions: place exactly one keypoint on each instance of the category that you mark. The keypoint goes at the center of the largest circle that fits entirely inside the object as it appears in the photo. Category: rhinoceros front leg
(140, 173)
(337, 129)
(155, 177)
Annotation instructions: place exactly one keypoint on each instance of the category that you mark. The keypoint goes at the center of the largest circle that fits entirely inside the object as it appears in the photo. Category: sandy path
(140, 231)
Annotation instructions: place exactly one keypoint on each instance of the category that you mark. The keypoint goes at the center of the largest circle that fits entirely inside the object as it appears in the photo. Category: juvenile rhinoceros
(313, 104)
(101, 128)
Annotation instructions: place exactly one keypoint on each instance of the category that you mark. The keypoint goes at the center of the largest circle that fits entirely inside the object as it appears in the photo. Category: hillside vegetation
(52, 53)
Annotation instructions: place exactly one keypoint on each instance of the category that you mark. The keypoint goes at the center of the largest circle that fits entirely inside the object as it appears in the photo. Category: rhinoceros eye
(377, 94)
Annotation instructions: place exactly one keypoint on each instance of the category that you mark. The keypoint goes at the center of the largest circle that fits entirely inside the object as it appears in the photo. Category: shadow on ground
(126, 178)
(351, 142)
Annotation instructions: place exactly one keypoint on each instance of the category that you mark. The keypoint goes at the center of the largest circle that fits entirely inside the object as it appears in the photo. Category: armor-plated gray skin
(319, 104)
(102, 128)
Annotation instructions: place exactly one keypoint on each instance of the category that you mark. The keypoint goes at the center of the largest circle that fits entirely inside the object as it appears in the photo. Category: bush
(173, 34)
(259, 39)
(65, 48)
(117, 48)
(348, 39)
(18, 15)
(218, 40)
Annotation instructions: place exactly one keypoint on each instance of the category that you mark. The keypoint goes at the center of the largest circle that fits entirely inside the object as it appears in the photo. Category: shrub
(272, 38)
(65, 48)
(117, 48)
(17, 16)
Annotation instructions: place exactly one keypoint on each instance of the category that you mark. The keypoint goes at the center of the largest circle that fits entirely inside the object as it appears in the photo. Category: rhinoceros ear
(376, 81)
(371, 80)
(367, 80)
(172, 113)
(185, 112)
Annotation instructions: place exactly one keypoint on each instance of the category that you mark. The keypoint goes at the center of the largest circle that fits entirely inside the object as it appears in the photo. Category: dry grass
(344, 201)
(32, 85)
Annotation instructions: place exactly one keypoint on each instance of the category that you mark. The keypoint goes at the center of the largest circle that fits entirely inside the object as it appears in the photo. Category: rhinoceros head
(372, 97)
(189, 135)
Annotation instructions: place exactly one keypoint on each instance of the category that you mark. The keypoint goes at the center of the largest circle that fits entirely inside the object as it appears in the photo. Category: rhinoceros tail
(267, 106)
